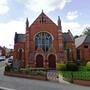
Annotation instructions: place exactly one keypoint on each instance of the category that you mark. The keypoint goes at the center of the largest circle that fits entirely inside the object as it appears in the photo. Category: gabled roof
(67, 37)
(80, 40)
(43, 18)
(19, 38)
(87, 40)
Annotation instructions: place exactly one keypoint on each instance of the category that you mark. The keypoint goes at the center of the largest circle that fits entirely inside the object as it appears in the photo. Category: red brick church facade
(44, 44)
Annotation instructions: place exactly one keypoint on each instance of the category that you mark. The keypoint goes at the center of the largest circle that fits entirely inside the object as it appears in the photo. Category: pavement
(3, 88)
(2, 63)
(62, 81)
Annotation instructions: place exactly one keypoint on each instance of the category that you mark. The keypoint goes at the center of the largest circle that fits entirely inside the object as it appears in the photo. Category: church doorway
(52, 61)
(39, 61)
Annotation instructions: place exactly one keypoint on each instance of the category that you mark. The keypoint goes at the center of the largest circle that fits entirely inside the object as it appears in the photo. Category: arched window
(43, 40)
(20, 52)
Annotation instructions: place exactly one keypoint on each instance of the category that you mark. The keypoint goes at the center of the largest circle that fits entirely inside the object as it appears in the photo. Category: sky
(74, 14)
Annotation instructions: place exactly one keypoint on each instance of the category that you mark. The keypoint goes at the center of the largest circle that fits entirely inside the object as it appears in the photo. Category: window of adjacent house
(85, 46)
(43, 40)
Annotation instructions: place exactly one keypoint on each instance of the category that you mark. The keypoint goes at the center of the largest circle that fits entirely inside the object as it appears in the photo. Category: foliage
(87, 31)
(33, 71)
(82, 68)
(60, 66)
(88, 66)
(71, 66)
(83, 61)
(27, 70)
(78, 75)
(8, 68)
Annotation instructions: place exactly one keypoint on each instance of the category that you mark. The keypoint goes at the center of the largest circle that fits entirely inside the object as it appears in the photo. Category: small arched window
(20, 51)
(43, 40)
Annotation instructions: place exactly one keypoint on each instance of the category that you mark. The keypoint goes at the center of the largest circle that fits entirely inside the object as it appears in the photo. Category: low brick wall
(82, 82)
(38, 77)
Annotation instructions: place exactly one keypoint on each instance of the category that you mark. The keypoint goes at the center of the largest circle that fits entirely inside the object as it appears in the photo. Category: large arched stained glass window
(43, 40)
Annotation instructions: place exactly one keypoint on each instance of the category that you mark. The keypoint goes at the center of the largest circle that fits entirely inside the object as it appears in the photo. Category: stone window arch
(43, 40)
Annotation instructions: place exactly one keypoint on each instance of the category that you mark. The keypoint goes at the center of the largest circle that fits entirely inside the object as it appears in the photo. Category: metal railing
(75, 75)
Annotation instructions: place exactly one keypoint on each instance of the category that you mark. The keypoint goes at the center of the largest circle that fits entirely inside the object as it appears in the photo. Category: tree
(87, 31)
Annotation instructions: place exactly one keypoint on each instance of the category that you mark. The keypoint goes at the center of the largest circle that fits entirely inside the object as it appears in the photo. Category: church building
(44, 44)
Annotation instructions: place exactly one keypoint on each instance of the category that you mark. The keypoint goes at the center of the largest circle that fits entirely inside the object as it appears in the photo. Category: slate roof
(67, 37)
(87, 40)
(82, 39)
(19, 38)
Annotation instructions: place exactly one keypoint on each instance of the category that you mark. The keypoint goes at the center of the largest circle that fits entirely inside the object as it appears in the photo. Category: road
(14, 83)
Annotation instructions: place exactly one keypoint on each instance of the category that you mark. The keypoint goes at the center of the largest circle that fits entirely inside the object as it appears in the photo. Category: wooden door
(52, 61)
(39, 61)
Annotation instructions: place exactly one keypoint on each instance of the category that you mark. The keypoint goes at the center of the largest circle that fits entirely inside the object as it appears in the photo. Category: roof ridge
(70, 35)
(39, 16)
(80, 40)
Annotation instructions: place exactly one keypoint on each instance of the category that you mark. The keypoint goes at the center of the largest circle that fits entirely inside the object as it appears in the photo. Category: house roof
(80, 40)
(19, 37)
(87, 40)
(67, 37)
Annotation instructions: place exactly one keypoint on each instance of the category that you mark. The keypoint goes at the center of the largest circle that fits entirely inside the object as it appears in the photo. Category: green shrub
(33, 71)
(83, 61)
(8, 68)
(71, 66)
(88, 66)
(77, 75)
(42, 73)
(60, 66)
(82, 68)
(28, 70)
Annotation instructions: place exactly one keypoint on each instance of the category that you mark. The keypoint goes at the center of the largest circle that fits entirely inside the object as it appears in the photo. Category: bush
(33, 71)
(71, 66)
(78, 75)
(82, 68)
(61, 67)
(8, 68)
(83, 61)
(28, 70)
(88, 66)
